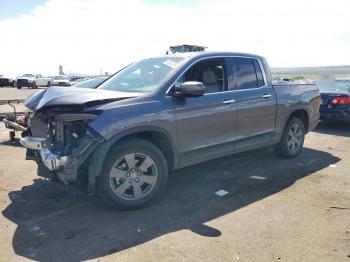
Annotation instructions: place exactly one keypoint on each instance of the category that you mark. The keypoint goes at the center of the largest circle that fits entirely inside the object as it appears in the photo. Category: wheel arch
(300, 113)
(156, 135)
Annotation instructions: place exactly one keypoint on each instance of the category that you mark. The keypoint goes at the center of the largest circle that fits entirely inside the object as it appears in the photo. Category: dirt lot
(7, 93)
(276, 210)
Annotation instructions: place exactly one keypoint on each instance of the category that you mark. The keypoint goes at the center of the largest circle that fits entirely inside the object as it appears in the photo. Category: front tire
(34, 86)
(292, 140)
(134, 172)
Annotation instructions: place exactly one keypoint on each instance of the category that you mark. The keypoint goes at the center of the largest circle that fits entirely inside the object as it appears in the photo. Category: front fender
(98, 156)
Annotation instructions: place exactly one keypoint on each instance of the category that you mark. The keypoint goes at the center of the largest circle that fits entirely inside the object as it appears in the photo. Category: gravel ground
(7, 93)
(275, 210)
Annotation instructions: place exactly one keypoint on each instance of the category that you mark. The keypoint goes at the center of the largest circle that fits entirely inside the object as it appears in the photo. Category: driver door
(205, 124)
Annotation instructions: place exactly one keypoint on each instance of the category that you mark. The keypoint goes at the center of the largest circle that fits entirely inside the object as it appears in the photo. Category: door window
(210, 72)
(261, 81)
(247, 73)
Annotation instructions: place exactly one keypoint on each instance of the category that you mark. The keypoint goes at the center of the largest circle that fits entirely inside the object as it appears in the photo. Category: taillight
(341, 101)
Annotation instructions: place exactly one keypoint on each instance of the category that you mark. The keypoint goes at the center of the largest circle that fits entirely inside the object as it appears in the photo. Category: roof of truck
(210, 53)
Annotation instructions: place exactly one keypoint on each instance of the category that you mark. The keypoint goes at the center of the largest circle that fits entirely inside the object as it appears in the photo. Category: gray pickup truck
(162, 114)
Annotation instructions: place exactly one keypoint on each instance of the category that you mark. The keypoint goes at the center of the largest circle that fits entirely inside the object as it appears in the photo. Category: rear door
(255, 101)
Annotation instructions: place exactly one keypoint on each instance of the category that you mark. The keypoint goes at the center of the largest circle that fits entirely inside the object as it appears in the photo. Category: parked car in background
(60, 81)
(335, 100)
(162, 114)
(33, 81)
(91, 83)
(7, 81)
(77, 80)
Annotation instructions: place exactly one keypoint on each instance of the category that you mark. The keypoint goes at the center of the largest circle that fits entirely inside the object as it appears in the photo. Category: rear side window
(247, 73)
(259, 74)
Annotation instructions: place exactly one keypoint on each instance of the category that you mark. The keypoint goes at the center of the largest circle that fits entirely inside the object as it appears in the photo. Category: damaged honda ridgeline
(161, 114)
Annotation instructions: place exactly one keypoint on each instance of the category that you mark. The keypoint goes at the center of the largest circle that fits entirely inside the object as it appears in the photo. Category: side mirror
(190, 89)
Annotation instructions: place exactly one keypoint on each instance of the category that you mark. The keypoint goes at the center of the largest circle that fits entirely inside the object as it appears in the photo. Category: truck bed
(291, 97)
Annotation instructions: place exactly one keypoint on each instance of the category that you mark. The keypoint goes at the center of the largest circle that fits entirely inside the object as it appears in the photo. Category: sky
(93, 36)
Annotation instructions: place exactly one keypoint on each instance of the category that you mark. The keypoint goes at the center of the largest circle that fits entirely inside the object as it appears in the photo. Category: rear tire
(292, 140)
(134, 172)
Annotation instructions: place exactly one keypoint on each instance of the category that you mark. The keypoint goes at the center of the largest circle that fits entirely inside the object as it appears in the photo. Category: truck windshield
(143, 76)
(27, 75)
(60, 78)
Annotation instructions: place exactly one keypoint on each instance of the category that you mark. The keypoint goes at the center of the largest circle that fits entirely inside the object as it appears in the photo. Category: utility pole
(60, 70)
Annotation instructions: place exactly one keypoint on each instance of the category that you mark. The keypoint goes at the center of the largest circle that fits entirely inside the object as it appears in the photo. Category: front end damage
(59, 138)
(60, 142)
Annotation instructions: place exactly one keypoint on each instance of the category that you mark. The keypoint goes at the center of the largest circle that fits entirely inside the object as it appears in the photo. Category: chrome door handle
(266, 96)
(229, 101)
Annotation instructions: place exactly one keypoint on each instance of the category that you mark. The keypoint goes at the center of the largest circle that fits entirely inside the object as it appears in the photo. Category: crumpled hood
(57, 96)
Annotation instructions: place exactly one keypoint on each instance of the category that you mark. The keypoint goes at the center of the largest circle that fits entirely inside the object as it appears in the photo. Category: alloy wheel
(295, 138)
(133, 176)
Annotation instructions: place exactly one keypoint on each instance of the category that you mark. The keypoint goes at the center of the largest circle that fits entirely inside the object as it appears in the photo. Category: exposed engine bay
(60, 143)
(58, 136)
